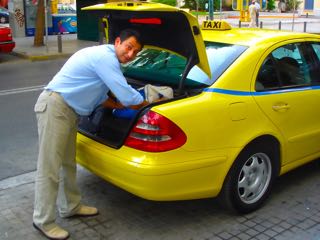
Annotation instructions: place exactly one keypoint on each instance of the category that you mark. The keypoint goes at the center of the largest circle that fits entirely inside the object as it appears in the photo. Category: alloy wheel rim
(254, 178)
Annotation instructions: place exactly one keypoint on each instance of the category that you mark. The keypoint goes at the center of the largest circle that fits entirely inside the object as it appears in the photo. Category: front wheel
(249, 181)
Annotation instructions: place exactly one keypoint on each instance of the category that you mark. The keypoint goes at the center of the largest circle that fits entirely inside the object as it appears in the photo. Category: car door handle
(281, 107)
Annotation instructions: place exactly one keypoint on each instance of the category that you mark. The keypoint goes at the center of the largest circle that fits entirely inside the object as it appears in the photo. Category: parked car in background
(6, 41)
(4, 15)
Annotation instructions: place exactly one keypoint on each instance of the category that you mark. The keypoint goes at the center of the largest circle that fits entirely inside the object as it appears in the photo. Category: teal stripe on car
(262, 93)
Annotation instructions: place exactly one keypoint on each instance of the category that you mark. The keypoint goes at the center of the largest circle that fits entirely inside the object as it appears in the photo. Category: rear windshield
(161, 67)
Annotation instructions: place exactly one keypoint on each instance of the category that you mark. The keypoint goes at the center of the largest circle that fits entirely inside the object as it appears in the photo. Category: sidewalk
(70, 43)
(291, 213)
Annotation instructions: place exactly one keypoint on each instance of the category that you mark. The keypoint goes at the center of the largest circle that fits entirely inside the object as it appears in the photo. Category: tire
(249, 181)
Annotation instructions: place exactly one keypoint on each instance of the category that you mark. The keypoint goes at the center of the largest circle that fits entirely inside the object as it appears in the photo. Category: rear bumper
(143, 174)
(6, 47)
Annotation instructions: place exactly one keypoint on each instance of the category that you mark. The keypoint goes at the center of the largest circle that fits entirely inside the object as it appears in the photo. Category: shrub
(271, 5)
(290, 4)
(168, 2)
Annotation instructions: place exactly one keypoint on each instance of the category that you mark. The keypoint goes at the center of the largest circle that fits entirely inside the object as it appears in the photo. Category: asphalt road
(21, 81)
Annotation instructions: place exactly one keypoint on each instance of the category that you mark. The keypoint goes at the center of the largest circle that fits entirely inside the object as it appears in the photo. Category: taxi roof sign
(215, 25)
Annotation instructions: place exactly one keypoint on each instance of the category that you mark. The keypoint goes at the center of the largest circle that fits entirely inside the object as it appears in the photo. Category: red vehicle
(6, 41)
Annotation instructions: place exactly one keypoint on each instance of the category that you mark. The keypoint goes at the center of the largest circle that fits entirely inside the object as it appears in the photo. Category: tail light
(155, 133)
(146, 20)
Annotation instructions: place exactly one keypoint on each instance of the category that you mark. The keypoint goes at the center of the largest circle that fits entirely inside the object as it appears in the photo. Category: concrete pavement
(291, 213)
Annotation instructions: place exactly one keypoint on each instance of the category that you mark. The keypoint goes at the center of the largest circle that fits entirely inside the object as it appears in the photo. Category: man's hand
(136, 107)
(111, 103)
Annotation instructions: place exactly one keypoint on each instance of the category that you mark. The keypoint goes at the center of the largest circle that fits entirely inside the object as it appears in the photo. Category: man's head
(128, 45)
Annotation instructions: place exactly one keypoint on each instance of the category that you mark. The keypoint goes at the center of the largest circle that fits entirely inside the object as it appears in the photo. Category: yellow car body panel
(231, 109)
(150, 176)
(197, 169)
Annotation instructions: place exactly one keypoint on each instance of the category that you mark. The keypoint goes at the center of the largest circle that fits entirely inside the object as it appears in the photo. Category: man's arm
(111, 103)
(136, 107)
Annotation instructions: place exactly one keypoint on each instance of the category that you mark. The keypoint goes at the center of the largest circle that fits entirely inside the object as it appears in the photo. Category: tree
(168, 2)
(292, 4)
(38, 35)
(202, 5)
(192, 4)
(216, 5)
(271, 5)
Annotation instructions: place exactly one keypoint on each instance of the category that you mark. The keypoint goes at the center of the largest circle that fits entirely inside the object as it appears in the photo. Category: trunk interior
(111, 130)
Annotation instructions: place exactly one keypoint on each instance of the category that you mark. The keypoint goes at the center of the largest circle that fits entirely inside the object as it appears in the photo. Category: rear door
(288, 92)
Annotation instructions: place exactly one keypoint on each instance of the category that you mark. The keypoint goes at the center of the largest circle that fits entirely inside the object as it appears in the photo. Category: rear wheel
(249, 181)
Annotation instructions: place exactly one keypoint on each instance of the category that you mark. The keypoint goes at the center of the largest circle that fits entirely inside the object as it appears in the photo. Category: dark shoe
(55, 233)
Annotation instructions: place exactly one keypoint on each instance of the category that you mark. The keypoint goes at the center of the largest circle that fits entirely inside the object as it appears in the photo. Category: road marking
(21, 90)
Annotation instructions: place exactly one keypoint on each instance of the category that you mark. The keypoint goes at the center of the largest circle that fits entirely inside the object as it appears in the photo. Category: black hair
(129, 32)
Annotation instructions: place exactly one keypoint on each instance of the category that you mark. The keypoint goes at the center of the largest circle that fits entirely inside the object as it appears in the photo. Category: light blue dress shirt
(88, 75)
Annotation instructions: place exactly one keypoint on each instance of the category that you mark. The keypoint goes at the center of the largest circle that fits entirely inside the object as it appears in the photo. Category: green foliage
(202, 5)
(271, 5)
(168, 2)
(192, 5)
(216, 5)
(290, 4)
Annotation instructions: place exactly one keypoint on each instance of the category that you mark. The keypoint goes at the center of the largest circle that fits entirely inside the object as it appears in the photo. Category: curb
(16, 181)
(25, 178)
(41, 57)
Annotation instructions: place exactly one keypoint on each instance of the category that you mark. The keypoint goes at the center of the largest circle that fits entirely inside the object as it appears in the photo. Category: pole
(294, 9)
(211, 9)
(46, 22)
(197, 9)
(220, 9)
(59, 43)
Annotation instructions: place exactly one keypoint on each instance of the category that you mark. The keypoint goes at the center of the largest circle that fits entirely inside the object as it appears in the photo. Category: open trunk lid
(161, 26)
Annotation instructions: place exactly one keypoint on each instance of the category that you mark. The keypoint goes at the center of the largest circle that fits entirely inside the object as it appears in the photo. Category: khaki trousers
(56, 168)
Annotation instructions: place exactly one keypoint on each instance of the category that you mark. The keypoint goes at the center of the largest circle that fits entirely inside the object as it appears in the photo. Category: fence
(297, 24)
(288, 25)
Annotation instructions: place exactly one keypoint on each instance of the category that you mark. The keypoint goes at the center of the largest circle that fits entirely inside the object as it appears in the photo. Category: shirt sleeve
(108, 69)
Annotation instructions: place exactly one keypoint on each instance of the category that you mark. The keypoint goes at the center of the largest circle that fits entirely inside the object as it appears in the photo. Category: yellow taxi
(245, 109)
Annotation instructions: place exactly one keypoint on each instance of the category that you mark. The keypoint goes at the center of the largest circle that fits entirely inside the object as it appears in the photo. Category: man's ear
(117, 42)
